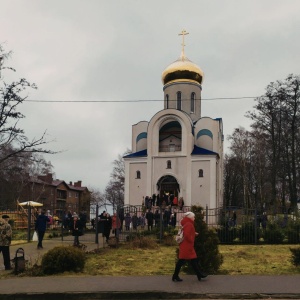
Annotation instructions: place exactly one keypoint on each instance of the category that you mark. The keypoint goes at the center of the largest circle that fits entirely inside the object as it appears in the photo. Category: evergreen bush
(295, 256)
(227, 235)
(61, 259)
(292, 232)
(247, 233)
(273, 234)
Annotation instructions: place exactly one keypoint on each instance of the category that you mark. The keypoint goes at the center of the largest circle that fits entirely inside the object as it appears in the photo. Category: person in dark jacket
(5, 240)
(150, 218)
(107, 226)
(40, 227)
(76, 228)
(134, 221)
(186, 247)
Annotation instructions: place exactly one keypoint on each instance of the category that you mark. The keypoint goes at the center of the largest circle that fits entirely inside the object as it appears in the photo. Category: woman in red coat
(186, 247)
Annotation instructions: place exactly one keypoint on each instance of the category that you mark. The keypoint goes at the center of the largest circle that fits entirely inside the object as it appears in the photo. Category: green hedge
(61, 259)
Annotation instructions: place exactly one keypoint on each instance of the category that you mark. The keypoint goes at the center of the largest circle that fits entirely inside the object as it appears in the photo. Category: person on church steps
(181, 203)
(186, 247)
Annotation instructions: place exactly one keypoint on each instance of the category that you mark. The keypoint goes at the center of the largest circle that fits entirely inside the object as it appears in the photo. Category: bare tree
(13, 141)
(277, 115)
(114, 191)
(19, 156)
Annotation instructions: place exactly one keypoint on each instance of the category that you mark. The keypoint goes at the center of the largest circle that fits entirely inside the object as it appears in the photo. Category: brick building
(57, 196)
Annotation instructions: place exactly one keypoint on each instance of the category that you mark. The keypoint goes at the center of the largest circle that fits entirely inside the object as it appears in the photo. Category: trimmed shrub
(295, 260)
(227, 235)
(61, 259)
(273, 234)
(292, 232)
(247, 232)
(143, 243)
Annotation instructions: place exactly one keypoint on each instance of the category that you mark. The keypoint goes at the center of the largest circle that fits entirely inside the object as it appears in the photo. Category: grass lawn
(257, 260)
(238, 259)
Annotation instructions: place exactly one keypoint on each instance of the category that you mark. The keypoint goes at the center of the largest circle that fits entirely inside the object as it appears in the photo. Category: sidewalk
(143, 287)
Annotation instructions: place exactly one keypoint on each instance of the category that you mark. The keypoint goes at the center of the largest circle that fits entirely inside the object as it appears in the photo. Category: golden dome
(182, 69)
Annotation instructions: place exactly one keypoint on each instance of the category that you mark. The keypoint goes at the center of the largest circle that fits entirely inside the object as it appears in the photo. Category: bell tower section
(182, 82)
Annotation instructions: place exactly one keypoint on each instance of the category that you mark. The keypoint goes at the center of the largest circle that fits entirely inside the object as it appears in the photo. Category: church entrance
(168, 185)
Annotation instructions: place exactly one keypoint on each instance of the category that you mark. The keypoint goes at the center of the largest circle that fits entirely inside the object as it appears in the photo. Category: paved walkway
(142, 287)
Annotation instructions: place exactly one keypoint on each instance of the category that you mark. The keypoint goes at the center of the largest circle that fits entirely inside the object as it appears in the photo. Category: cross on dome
(183, 33)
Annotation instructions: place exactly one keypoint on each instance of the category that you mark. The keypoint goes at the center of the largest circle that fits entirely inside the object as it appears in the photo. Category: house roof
(57, 182)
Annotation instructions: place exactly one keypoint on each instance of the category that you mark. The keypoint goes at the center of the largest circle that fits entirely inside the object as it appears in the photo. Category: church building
(178, 151)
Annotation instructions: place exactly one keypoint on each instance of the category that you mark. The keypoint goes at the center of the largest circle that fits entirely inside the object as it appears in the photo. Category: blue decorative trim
(142, 135)
(205, 132)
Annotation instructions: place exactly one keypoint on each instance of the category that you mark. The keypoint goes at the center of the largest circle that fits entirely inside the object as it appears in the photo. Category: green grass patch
(238, 260)
(134, 261)
(257, 260)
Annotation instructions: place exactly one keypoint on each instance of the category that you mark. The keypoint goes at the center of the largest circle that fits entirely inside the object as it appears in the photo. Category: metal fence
(250, 226)
(232, 225)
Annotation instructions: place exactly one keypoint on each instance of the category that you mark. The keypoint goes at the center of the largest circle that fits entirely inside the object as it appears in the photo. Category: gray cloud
(117, 50)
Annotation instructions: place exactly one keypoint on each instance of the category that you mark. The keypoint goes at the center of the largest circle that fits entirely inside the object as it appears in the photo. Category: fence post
(255, 226)
(29, 223)
(96, 224)
(62, 229)
(160, 225)
(206, 213)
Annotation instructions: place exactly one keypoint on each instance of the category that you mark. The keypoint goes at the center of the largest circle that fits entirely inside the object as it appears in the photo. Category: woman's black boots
(196, 268)
(175, 276)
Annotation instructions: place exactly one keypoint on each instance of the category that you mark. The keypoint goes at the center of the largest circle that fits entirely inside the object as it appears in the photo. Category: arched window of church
(193, 97)
(167, 101)
(138, 174)
(169, 165)
(179, 100)
(200, 173)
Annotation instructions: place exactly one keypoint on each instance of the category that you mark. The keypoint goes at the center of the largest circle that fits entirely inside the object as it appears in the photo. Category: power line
(127, 101)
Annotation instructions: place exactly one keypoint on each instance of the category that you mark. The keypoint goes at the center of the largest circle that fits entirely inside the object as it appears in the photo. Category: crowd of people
(166, 200)
(155, 211)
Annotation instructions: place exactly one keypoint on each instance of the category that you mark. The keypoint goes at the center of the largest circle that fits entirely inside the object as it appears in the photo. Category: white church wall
(141, 144)
(139, 129)
(201, 186)
(138, 186)
(207, 134)
(206, 142)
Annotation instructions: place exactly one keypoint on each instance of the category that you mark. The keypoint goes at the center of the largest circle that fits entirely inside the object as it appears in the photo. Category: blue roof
(196, 151)
(201, 151)
(137, 154)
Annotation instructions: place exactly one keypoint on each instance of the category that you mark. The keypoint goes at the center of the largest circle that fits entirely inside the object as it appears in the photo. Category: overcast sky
(96, 50)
